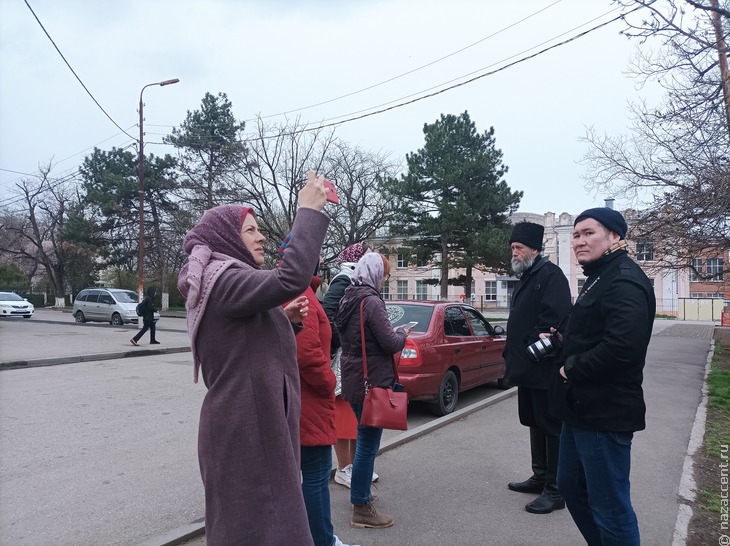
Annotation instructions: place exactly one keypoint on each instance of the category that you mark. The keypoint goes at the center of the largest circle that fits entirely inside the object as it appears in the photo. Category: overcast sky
(274, 56)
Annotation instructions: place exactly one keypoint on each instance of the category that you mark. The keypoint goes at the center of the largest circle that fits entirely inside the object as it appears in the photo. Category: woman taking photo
(243, 343)
(381, 342)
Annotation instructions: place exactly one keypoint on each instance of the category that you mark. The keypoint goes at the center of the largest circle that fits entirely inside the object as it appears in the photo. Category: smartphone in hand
(332, 194)
(410, 325)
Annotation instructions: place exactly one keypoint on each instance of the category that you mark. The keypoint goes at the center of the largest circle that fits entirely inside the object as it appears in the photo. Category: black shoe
(546, 503)
(154, 342)
(532, 485)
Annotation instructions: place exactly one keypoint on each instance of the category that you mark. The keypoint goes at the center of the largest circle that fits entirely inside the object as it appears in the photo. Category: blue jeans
(368, 444)
(316, 467)
(593, 477)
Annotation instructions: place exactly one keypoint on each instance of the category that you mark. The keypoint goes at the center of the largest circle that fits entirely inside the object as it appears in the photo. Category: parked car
(452, 348)
(12, 305)
(112, 305)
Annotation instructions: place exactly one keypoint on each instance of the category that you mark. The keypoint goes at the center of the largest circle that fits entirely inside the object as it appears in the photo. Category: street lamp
(140, 176)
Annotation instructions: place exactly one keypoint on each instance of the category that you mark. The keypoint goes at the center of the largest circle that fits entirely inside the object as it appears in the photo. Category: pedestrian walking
(147, 309)
(598, 393)
(540, 300)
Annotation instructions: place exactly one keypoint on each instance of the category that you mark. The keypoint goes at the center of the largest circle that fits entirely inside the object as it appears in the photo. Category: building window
(696, 295)
(421, 290)
(421, 262)
(402, 261)
(490, 290)
(714, 269)
(402, 290)
(716, 295)
(385, 291)
(644, 249)
(695, 272)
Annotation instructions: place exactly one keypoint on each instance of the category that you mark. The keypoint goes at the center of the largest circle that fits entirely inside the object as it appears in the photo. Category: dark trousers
(593, 476)
(316, 466)
(368, 444)
(532, 406)
(148, 325)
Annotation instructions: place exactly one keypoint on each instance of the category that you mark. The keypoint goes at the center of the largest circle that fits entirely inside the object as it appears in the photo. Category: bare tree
(675, 166)
(33, 229)
(278, 161)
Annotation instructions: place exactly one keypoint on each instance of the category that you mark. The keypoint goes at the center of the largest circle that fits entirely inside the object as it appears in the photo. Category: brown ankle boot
(365, 516)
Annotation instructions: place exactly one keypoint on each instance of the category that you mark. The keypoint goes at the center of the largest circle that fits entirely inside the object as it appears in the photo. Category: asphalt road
(103, 451)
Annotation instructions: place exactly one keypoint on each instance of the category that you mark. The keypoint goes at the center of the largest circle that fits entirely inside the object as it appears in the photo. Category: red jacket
(317, 423)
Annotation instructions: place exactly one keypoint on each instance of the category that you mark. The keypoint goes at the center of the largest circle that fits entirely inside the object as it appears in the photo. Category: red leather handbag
(382, 407)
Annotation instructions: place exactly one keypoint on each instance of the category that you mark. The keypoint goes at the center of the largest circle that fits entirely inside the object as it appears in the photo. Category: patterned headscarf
(369, 270)
(351, 254)
(213, 245)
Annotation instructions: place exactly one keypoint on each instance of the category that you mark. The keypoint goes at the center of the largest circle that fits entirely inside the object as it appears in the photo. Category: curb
(196, 529)
(54, 361)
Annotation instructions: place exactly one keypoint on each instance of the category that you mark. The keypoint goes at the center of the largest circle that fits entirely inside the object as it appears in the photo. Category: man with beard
(540, 300)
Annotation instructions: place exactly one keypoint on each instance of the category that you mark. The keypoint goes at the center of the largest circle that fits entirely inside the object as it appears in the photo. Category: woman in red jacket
(317, 422)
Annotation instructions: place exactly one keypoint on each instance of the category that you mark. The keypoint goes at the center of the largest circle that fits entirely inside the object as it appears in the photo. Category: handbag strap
(364, 350)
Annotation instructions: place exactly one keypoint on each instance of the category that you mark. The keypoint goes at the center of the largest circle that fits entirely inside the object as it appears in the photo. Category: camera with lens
(544, 347)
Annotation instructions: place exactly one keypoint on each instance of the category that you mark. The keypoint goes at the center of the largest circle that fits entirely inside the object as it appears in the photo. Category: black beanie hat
(611, 219)
(528, 234)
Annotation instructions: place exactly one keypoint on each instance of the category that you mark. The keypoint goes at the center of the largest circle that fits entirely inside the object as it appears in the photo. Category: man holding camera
(598, 392)
(540, 300)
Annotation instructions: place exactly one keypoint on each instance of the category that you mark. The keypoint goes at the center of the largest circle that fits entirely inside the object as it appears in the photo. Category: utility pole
(722, 55)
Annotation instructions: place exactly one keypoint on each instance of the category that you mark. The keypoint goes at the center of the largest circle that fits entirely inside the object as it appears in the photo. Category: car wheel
(117, 319)
(448, 395)
(80, 317)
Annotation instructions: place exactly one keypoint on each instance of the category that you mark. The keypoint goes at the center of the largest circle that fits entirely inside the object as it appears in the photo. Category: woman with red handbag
(362, 316)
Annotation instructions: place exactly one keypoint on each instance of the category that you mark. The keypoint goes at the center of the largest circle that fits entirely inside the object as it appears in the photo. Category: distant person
(317, 423)
(243, 343)
(540, 300)
(345, 419)
(148, 309)
(381, 342)
(598, 392)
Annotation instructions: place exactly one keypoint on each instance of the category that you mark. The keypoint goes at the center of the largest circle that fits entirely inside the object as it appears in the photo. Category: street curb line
(181, 534)
(54, 361)
(687, 484)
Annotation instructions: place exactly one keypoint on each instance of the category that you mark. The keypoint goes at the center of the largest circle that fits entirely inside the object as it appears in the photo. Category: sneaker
(154, 342)
(134, 342)
(375, 477)
(344, 476)
(338, 542)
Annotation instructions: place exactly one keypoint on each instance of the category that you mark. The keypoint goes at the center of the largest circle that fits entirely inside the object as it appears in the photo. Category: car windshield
(9, 296)
(125, 296)
(403, 314)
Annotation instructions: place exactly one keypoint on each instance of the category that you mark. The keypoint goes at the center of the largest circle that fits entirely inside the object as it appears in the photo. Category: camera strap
(582, 294)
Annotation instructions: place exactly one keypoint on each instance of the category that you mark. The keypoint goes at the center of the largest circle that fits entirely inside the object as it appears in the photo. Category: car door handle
(484, 347)
(457, 350)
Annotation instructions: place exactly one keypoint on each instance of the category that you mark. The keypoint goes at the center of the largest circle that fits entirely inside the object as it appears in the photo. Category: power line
(410, 71)
(74, 72)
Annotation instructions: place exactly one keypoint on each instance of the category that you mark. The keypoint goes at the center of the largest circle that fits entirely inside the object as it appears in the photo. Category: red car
(452, 348)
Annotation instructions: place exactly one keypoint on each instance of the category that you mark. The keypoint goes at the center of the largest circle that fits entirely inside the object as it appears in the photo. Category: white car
(12, 305)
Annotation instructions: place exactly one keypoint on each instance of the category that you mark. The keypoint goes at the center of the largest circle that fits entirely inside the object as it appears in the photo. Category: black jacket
(148, 305)
(605, 348)
(331, 301)
(540, 301)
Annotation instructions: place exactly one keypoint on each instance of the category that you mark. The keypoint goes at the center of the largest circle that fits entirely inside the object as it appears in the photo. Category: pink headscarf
(369, 270)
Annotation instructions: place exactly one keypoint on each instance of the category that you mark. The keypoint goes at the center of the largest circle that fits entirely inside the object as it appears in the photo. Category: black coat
(540, 301)
(605, 348)
(148, 305)
(331, 304)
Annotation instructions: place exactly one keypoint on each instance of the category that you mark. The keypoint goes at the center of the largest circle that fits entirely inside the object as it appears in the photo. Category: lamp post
(140, 176)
